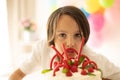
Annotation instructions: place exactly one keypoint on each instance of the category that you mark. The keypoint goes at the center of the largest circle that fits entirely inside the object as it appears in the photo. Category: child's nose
(70, 42)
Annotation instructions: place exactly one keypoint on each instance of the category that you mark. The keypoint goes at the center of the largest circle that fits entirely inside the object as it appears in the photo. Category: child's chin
(71, 55)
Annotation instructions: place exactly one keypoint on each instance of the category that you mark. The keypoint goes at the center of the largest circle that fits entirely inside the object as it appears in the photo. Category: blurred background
(23, 22)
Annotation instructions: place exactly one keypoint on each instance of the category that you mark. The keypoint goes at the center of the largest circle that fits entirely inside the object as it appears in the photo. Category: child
(65, 25)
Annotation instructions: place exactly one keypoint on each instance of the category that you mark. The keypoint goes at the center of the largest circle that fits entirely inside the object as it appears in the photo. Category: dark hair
(72, 11)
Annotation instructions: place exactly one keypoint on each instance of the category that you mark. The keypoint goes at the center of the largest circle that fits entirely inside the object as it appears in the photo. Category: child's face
(67, 33)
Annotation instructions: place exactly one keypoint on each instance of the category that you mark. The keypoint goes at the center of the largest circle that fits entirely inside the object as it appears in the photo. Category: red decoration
(71, 64)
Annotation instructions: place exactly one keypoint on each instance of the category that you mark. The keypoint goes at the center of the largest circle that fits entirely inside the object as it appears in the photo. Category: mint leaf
(101, 72)
(65, 70)
(45, 71)
(80, 67)
(81, 59)
(70, 62)
(88, 66)
(90, 74)
(57, 58)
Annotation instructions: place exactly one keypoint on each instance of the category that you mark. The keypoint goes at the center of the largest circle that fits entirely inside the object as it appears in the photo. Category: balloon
(92, 6)
(101, 10)
(96, 21)
(86, 13)
(106, 3)
(95, 40)
(112, 14)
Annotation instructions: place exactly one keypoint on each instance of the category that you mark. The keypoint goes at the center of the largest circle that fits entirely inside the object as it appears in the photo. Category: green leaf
(90, 74)
(80, 67)
(65, 70)
(70, 62)
(101, 72)
(57, 58)
(45, 71)
(88, 66)
(81, 59)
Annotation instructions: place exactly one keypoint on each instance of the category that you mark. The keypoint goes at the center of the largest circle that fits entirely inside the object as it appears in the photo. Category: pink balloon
(96, 40)
(96, 21)
(113, 13)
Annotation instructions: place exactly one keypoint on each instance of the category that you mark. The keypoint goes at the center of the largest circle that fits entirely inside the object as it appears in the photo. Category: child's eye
(62, 35)
(78, 35)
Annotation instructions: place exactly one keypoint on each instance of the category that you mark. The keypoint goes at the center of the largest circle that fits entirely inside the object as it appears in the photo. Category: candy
(70, 65)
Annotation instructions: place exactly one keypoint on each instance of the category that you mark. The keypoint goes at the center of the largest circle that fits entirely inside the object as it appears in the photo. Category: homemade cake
(79, 67)
(75, 76)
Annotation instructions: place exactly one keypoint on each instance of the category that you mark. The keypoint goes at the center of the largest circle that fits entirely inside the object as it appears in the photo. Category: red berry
(74, 68)
(83, 72)
(68, 73)
(90, 69)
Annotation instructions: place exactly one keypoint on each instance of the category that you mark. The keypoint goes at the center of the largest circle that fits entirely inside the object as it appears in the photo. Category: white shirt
(42, 55)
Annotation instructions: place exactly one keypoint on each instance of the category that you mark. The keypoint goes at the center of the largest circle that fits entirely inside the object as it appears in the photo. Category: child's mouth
(70, 52)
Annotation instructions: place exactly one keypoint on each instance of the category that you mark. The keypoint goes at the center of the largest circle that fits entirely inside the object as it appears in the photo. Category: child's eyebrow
(68, 32)
(60, 31)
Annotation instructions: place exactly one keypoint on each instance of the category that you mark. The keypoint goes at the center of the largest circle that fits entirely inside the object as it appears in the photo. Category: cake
(79, 67)
(75, 76)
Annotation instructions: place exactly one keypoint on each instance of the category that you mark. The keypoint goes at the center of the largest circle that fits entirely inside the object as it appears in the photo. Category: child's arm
(17, 75)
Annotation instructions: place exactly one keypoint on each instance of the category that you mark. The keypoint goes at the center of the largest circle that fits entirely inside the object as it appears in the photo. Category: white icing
(75, 76)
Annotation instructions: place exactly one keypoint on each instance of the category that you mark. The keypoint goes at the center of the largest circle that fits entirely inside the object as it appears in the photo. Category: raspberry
(74, 68)
(68, 73)
(83, 72)
(90, 69)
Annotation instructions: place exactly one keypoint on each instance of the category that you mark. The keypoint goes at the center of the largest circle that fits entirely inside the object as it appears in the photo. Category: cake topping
(70, 65)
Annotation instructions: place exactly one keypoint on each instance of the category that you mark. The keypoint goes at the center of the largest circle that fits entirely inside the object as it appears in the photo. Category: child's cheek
(59, 48)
